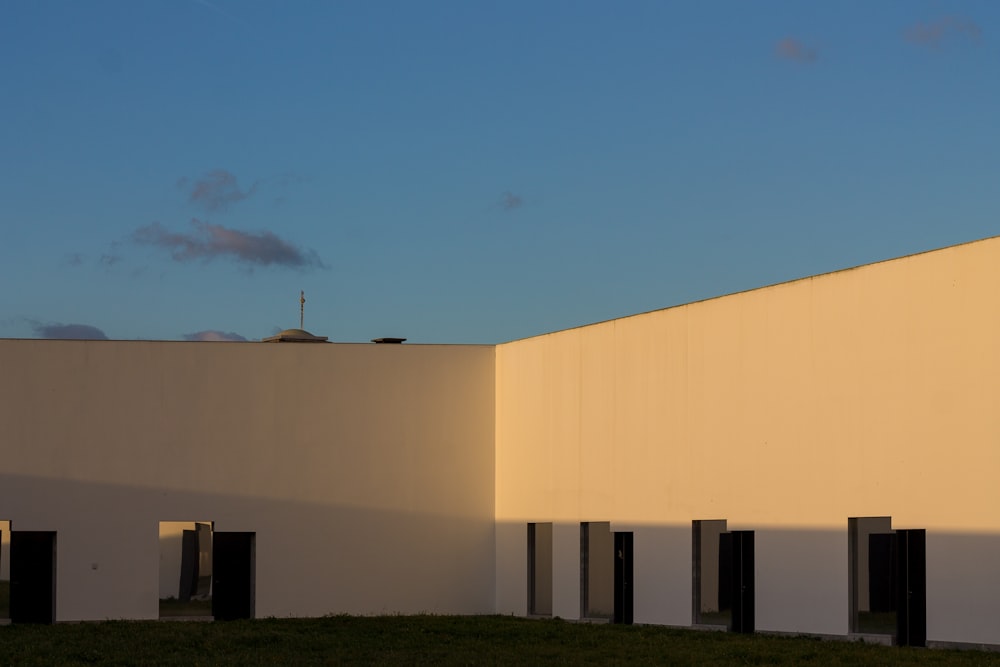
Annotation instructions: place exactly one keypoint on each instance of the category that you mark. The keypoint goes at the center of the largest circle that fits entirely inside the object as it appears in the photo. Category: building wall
(785, 410)
(366, 471)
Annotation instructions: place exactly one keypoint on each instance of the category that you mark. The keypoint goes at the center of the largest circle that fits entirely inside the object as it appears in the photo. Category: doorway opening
(185, 568)
(711, 553)
(623, 578)
(723, 576)
(872, 575)
(597, 570)
(539, 569)
(32, 576)
(234, 575)
(4, 570)
(887, 580)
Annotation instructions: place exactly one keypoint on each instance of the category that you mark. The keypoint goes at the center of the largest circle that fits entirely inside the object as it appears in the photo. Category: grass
(434, 640)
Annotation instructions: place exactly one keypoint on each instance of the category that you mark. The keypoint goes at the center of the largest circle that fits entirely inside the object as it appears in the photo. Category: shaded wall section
(365, 470)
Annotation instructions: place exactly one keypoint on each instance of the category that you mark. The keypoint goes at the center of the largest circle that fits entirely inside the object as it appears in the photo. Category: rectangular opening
(540, 569)
(234, 575)
(623, 577)
(711, 573)
(33, 576)
(871, 575)
(597, 570)
(185, 568)
(4, 569)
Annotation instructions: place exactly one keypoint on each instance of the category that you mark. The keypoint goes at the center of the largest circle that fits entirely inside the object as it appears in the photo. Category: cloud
(216, 191)
(213, 335)
(209, 241)
(74, 259)
(68, 331)
(509, 201)
(792, 49)
(933, 34)
(112, 256)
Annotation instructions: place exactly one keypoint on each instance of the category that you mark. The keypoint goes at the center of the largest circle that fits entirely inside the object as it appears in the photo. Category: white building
(844, 427)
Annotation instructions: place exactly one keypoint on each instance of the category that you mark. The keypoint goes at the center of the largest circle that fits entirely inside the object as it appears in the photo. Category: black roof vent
(388, 341)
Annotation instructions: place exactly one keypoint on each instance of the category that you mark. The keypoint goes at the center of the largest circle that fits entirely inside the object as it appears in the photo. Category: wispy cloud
(213, 335)
(792, 49)
(74, 259)
(112, 256)
(68, 331)
(935, 33)
(209, 241)
(216, 191)
(510, 201)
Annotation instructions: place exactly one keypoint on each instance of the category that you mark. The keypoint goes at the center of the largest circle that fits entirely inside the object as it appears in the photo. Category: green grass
(433, 640)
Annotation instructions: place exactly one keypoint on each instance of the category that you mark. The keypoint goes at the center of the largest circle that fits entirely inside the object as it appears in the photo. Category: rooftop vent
(388, 341)
(294, 336)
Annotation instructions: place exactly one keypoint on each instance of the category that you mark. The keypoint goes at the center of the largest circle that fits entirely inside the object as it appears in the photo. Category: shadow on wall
(310, 559)
(805, 581)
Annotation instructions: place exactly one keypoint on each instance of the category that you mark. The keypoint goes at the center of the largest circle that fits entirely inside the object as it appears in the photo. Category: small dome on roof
(294, 336)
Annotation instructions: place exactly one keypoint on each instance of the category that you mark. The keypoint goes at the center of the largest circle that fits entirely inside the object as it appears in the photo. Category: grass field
(433, 640)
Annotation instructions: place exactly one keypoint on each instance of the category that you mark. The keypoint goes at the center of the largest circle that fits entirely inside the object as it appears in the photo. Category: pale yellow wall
(867, 392)
(365, 470)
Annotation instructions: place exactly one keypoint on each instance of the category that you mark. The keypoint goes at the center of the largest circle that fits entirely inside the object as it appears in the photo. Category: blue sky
(472, 172)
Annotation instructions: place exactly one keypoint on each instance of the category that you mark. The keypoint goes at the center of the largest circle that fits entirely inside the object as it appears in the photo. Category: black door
(881, 572)
(742, 595)
(623, 578)
(911, 587)
(725, 583)
(233, 575)
(189, 566)
(32, 576)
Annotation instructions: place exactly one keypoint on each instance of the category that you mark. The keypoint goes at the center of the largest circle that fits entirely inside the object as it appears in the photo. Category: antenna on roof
(302, 308)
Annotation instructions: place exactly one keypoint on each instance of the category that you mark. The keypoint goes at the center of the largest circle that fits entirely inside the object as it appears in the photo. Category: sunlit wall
(785, 410)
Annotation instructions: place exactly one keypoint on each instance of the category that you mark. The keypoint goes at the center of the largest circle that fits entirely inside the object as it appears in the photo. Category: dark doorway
(742, 581)
(711, 571)
(725, 573)
(911, 587)
(597, 570)
(623, 578)
(5, 569)
(233, 576)
(881, 573)
(32, 576)
(540, 569)
(872, 575)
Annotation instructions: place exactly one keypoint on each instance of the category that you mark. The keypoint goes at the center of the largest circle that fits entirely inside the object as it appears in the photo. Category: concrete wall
(366, 471)
(786, 410)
